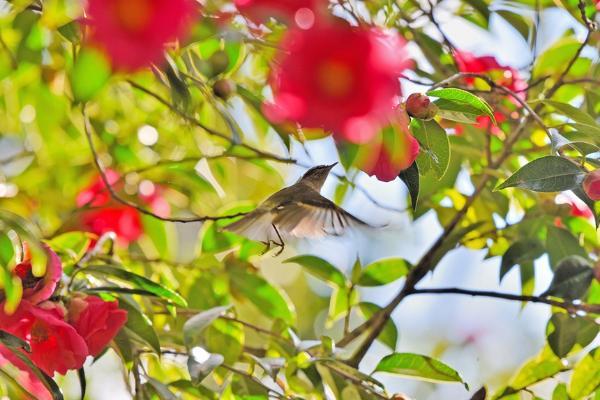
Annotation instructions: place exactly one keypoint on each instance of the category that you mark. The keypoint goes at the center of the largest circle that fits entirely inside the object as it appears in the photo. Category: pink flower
(96, 320)
(38, 289)
(133, 33)
(108, 215)
(55, 345)
(391, 152)
(302, 12)
(591, 185)
(337, 77)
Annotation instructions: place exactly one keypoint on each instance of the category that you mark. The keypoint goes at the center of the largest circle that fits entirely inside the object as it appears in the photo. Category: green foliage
(210, 316)
(419, 367)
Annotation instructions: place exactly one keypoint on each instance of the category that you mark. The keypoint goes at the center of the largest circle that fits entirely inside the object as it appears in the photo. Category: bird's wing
(255, 225)
(313, 217)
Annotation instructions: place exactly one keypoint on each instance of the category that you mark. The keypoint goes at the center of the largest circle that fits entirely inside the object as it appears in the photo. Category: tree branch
(568, 306)
(118, 198)
(375, 324)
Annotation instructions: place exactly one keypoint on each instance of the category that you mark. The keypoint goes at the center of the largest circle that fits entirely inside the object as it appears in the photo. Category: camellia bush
(134, 131)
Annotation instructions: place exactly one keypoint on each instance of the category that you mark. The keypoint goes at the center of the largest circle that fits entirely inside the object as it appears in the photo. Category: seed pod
(420, 106)
(224, 88)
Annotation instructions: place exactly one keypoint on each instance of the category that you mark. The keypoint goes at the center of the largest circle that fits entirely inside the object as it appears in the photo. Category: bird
(298, 211)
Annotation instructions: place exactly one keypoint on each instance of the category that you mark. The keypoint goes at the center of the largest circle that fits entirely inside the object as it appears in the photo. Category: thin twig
(568, 306)
(118, 198)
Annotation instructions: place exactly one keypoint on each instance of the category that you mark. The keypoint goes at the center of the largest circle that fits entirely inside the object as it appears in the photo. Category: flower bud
(224, 88)
(591, 185)
(219, 62)
(419, 106)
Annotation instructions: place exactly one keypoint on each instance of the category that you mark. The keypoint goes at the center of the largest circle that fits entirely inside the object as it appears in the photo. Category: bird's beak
(332, 165)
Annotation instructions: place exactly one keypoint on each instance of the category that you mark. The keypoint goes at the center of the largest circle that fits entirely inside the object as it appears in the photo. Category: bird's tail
(255, 226)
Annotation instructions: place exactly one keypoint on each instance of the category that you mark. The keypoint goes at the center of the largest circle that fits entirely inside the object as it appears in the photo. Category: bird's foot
(281, 248)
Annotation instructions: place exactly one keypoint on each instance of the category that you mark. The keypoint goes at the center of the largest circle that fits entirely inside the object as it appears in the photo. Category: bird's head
(315, 177)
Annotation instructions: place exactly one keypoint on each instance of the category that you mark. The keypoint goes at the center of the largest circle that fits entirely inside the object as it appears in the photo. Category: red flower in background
(38, 289)
(394, 150)
(110, 216)
(501, 74)
(337, 77)
(302, 12)
(133, 33)
(96, 320)
(591, 185)
(55, 345)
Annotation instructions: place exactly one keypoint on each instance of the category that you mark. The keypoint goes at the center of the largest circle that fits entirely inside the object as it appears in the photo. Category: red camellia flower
(133, 33)
(55, 345)
(394, 150)
(502, 74)
(38, 289)
(96, 320)
(302, 12)
(107, 215)
(591, 185)
(341, 78)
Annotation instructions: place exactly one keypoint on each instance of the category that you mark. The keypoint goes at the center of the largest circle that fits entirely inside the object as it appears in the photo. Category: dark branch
(568, 306)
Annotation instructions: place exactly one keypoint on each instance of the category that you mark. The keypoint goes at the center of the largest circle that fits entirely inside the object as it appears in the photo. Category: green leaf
(71, 246)
(161, 234)
(320, 269)
(46, 380)
(13, 342)
(7, 250)
(522, 251)
(573, 113)
(347, 371)
(560, 244)
(194, 328)
(546, 174)
(465, 99)
(586, 375)
(139, 324)
(560, 392)
(269, 300)
(383, 272)
(435, 147)
(540, 367)
(225, 338)
(138, 281)
(517, 21)
(571, 279)
(160, 389)
(410, 177)
(389, 334)
(89, 75)
(418, 366)
(200, 368)
(564, 334)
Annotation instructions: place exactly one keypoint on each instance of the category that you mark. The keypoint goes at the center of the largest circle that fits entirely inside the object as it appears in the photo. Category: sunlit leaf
(383, 272)
(546, 174)
(586, 375)
(320, 269)
(138, 281)
(462, 98)
(419, 367)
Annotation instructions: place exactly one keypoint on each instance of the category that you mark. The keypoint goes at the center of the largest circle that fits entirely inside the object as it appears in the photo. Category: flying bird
(296, 211)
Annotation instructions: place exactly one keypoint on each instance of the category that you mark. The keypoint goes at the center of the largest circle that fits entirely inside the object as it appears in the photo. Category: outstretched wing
(256, 225)
(313, 217)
